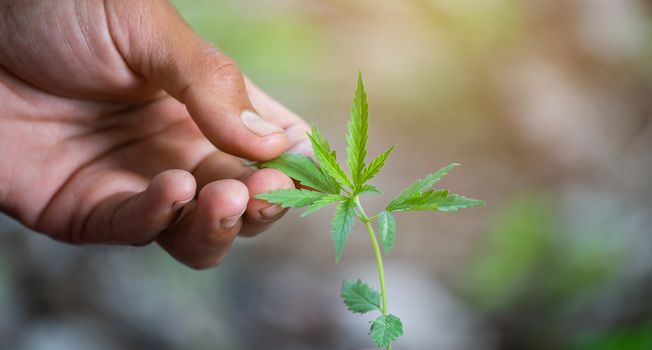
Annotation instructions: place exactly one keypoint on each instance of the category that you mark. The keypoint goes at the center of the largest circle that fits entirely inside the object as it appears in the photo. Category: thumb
(158, 44)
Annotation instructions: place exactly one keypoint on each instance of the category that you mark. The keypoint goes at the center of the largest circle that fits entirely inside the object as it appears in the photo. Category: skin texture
(119, 125)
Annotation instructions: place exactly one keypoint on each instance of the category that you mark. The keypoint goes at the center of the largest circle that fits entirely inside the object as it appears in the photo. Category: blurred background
(548, 106)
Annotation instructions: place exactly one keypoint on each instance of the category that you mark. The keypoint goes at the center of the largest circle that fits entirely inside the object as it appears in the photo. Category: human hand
(120, 125)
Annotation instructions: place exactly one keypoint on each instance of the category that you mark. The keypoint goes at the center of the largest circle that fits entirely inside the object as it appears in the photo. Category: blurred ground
(545, 103)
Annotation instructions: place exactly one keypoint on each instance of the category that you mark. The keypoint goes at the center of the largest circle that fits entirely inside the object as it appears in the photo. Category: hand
(120, 125)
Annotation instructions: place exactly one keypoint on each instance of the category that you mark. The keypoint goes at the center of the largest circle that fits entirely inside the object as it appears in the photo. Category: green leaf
(369, 188)
(341, 225)
(359, 297)
(386, 329)
(294, 198)
(304, 170)
(420, 186)
(376, 164)
(387, 226)
(322, 202)
(327, 158)
(356, 138)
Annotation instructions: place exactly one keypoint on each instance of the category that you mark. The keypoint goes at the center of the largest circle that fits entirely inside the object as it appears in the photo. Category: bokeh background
(548, 106)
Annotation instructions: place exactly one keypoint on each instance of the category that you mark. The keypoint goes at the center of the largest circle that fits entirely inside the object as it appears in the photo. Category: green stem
(379, 257)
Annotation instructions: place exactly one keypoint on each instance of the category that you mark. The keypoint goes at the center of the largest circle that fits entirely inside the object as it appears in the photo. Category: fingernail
(178, 205)
(304, 147)
(230, 221)
(271, 211)
(258, 125)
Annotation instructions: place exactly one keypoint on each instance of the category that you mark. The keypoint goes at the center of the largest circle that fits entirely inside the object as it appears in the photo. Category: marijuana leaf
(294, 198)
(304, 170)
(322, 202)
(359, 297)
(328, 180)
(387, 226)
(419, 186)
(357, 136)
(385, 329)
(327, 158)
(341, 225)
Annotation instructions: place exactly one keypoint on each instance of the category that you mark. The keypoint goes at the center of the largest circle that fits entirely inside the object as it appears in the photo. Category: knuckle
(227, 72)
(219, 63)
(227, 67)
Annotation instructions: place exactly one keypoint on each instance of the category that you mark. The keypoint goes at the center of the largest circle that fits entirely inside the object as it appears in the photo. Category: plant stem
(379, 257)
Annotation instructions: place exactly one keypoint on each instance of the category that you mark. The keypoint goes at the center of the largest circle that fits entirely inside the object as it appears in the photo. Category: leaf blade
(454, 202)
(420, 185)
(377, 164)
(359, 297)
(438, 200)
(385, 329)
(341, 226)
(421, 201)
(358, 128)
(387, 226)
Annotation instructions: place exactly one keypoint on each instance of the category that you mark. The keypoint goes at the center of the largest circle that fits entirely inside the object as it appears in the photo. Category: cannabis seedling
(329, 184)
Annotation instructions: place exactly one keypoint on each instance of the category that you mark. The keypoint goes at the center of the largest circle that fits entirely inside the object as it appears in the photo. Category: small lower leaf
(387, 225)
(359, 297)
(386, 329)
